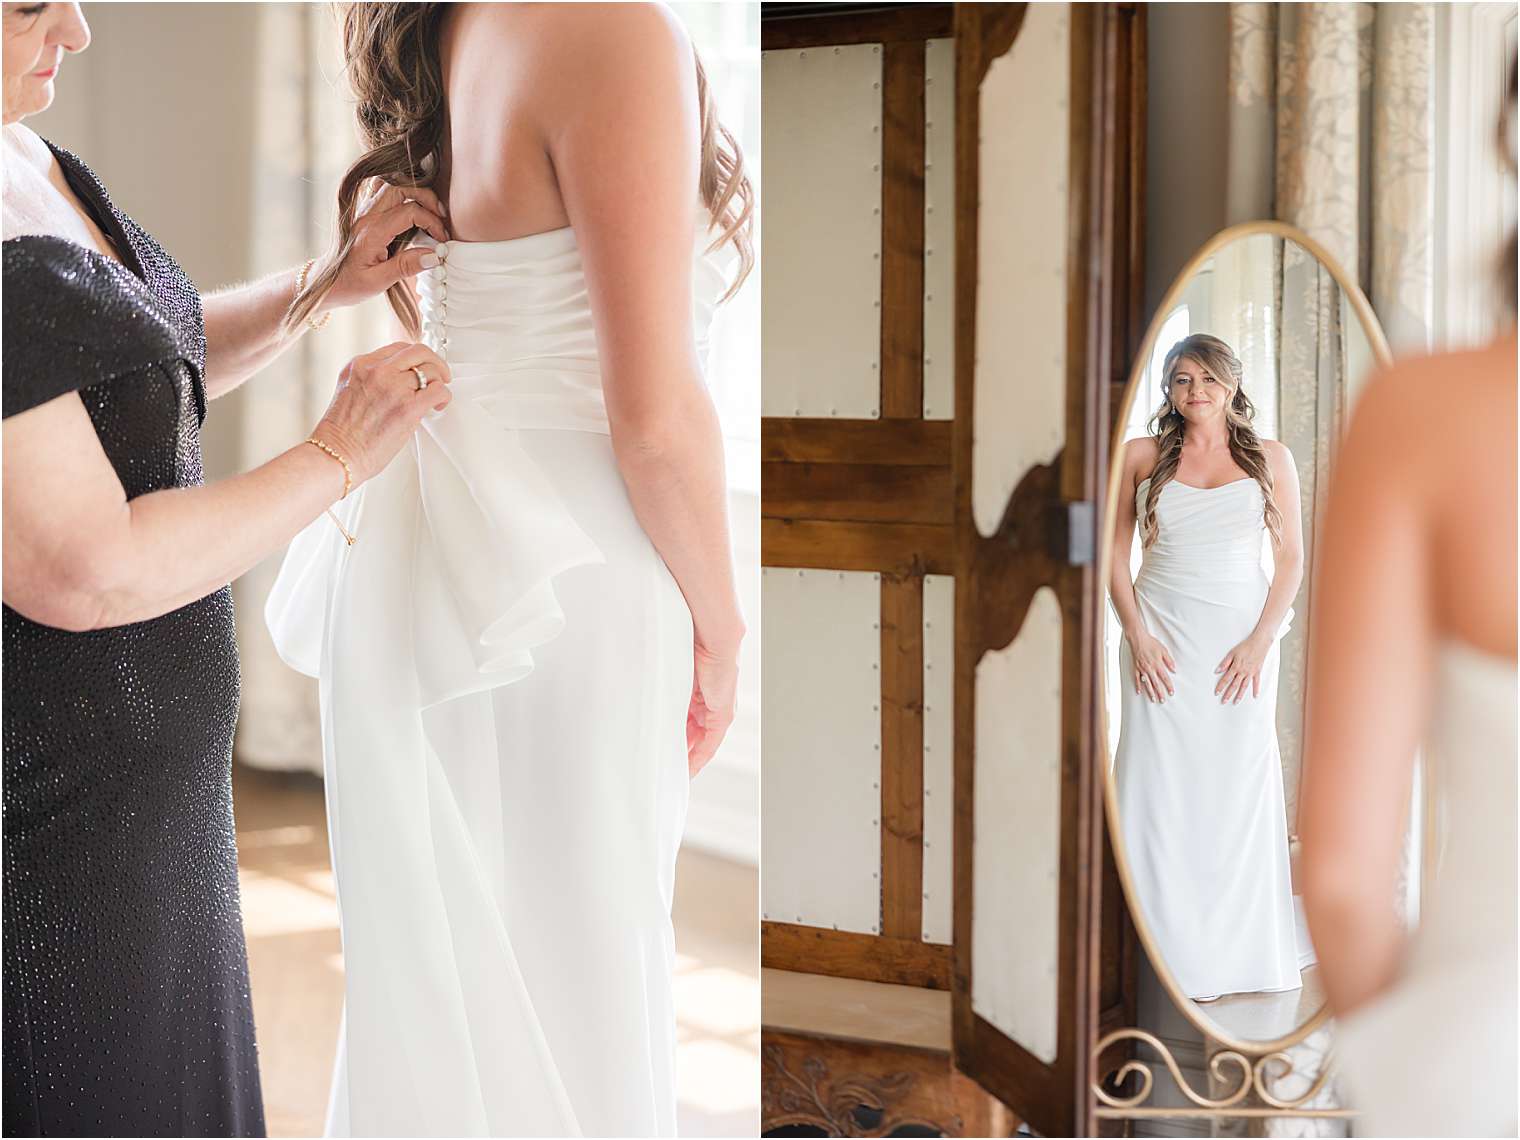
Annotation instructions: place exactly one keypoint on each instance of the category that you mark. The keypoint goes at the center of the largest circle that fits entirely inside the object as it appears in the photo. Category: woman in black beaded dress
(126, 1005)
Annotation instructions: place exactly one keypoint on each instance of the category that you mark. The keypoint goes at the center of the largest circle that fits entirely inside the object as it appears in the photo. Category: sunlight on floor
(296, 966)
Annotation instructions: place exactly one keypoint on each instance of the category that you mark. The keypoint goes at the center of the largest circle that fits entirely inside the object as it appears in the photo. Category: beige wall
(163, 110)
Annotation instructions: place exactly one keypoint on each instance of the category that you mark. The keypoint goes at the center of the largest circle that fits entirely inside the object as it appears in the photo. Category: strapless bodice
(1213, 530)
(514, 321)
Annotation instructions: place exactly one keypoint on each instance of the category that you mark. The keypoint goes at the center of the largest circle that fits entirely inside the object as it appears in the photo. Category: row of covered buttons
(440, 295)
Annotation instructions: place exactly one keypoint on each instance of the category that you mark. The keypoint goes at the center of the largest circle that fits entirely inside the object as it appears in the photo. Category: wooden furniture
(1049, 537)
(852, 1058)
(893, 495)
(875, 495)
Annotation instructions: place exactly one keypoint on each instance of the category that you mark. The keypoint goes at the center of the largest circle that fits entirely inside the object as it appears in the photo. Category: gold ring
(422, 380)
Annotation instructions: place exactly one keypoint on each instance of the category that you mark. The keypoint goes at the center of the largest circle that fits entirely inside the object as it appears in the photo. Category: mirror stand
(1249, 1077)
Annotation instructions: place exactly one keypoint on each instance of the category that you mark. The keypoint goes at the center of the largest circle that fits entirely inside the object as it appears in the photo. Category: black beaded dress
(125, 973)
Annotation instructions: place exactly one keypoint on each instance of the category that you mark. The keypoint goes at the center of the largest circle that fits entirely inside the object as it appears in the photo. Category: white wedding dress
(1436, 1054)
(505, 666)
(1200, 783)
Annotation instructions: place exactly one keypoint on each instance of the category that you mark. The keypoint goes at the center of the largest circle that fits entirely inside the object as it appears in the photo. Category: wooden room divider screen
(889, 492)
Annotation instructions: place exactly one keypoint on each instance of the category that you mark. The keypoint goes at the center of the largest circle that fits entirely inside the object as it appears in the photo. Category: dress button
(442, 250)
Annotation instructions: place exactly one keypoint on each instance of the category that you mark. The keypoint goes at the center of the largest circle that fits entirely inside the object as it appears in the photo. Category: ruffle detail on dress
(491, 534)
(1287, 624)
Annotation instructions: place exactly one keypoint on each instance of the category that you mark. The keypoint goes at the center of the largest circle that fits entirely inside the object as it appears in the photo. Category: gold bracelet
(301, 288)
(348, 483)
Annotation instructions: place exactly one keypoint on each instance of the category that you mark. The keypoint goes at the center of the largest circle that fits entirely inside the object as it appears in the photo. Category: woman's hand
(1240, 665)
(714, 688)
(369, 269)
(1153, 666)
(377, 405)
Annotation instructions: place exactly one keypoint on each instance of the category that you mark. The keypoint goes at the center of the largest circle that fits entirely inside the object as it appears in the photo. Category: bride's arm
(1287, 555)
(1369, 666)
(1121, 587)
(245, 323)
(621, 127)
(1152, 662)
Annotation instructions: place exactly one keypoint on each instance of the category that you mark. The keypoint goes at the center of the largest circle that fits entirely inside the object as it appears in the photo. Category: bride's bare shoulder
(1422, 397)
(1139, 458)
(556, 35)
(1438, 430)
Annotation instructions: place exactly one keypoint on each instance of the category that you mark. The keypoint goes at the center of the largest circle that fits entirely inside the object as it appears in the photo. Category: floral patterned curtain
(1331, 129)
(305, 139)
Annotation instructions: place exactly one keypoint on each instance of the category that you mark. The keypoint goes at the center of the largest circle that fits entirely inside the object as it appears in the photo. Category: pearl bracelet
(348, 483)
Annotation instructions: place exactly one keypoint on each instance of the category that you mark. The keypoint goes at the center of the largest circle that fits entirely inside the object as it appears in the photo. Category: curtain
(1331, 129)
(304, 139)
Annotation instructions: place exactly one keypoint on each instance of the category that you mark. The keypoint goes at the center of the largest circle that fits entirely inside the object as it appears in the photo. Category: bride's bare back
(514, 83)
(1420, 539)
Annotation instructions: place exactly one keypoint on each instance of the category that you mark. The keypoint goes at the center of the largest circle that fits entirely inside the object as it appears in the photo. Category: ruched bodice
(513, 319)
(1217, 530)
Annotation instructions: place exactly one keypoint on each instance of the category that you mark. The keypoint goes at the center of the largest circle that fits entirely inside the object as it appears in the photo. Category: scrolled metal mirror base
(1252, 1074)
(1251, 1060)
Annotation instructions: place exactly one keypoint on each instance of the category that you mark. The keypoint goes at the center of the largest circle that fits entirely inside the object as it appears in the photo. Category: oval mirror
(1221, 458)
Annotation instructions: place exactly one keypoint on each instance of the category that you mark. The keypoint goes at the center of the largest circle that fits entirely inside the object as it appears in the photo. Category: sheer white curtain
(304, 140)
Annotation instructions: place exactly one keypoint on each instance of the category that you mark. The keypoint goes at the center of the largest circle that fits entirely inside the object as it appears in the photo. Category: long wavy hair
(396, 71)
(1170, 428)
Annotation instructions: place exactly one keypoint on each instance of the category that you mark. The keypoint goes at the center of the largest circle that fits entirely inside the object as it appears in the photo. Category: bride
(1197, 767)
(530, 644)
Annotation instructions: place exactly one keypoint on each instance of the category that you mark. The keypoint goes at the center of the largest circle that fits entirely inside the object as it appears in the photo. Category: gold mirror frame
(1264, 1050)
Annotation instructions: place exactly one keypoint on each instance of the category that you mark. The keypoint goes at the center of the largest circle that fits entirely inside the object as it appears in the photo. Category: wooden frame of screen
(875, 495)
(1048, 538)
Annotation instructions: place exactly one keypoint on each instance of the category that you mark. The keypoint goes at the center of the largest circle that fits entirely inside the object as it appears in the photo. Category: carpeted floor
(297, 968)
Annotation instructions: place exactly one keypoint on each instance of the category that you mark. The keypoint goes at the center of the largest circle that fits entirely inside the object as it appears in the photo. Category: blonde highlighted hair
(396, 71)
(1169, 428)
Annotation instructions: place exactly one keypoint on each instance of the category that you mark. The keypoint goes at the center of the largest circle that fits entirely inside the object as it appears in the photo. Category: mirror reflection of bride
(1198, 771)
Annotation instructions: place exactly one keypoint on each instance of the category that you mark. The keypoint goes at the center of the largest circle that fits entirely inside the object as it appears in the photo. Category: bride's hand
(1153, 667)
(1241, 664)
(714, 689)
(388, 212)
